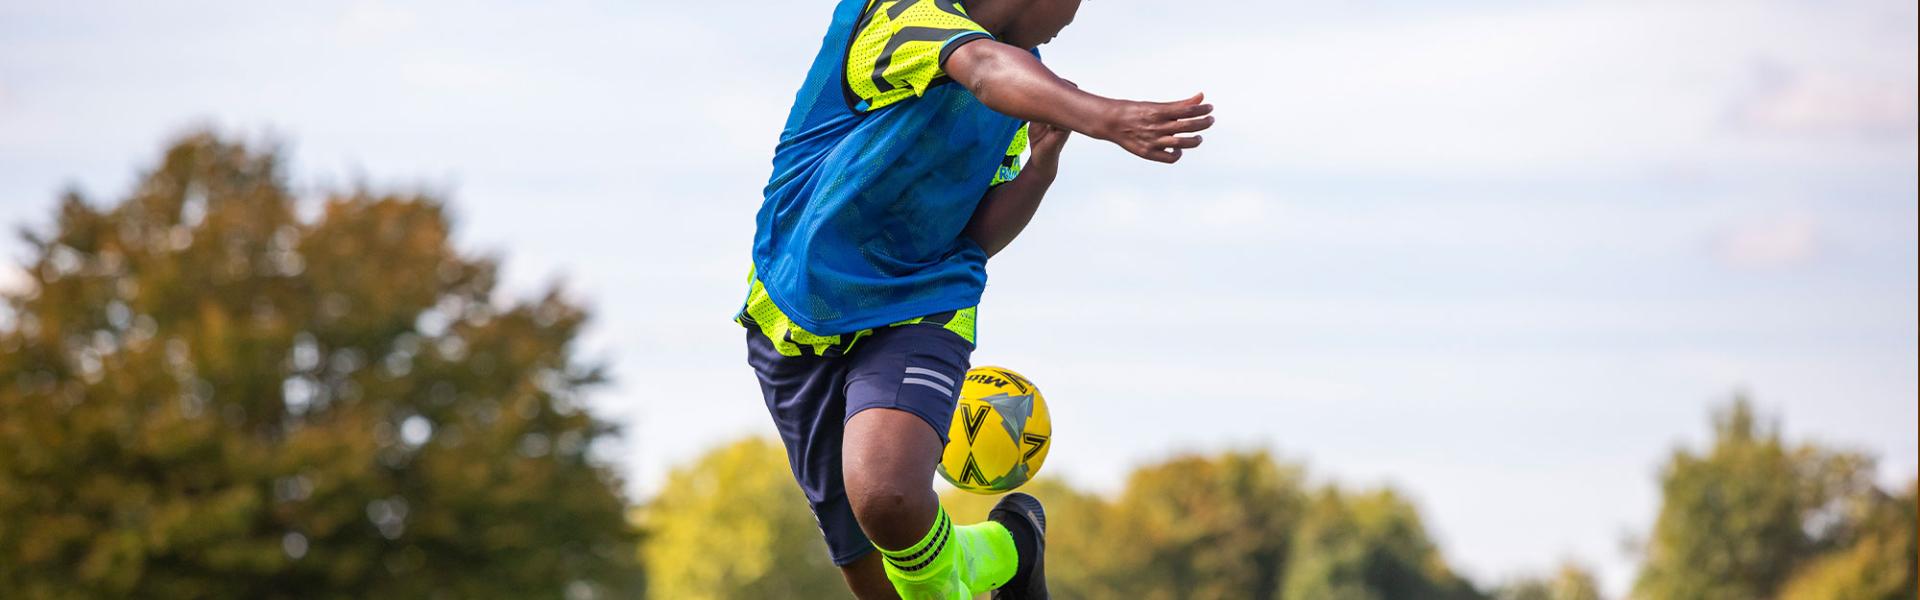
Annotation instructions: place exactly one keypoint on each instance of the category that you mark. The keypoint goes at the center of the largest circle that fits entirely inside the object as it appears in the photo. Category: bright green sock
(953, 562)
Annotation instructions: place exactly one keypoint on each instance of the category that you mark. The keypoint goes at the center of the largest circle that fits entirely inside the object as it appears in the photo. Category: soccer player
(897, 175)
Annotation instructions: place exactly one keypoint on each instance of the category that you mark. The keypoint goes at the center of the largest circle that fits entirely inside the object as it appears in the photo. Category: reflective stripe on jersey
(1010, 166)
(791, 340)
(898, 49)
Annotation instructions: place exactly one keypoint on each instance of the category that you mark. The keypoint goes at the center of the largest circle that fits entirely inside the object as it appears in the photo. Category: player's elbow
(986, 233)
(990, 245)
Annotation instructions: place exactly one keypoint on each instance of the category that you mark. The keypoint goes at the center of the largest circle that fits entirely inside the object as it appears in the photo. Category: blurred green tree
(1237, 524)
(1193, 526)
(1571, 582)
(1736, 521)
(1369, 546)
(204, 395)
(732, 524)
(1879, 565)
(1200, 527)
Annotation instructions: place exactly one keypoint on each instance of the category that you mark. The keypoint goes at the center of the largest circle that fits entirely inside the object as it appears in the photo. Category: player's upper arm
(899, 48)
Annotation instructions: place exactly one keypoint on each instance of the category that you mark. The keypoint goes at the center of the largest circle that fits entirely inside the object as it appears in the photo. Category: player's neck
(992, 15)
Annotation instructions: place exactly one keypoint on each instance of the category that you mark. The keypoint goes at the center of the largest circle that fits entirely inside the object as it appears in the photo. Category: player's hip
(786, 337)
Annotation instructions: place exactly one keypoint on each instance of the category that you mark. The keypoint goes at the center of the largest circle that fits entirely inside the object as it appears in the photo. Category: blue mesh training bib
(878, 170)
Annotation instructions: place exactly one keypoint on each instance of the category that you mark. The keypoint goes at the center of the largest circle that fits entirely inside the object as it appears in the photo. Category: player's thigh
(916, 369)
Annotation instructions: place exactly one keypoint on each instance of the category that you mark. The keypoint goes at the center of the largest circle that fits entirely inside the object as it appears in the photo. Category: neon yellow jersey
(791, 340)
(897, 52)
(898, 48)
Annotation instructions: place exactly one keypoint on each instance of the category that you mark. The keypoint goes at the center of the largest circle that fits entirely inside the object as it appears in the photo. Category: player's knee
(892, 515)
(880, 504)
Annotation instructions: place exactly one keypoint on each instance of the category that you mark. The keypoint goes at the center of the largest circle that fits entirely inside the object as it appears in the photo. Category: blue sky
(1504, 255)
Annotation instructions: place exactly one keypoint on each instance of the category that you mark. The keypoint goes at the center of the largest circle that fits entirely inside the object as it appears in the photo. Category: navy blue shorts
(915, 368)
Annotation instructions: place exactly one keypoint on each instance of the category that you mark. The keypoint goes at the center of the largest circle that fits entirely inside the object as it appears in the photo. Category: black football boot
(1027, 521)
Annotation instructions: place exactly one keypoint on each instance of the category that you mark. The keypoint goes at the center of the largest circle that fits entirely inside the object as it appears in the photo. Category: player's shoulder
(897, 47)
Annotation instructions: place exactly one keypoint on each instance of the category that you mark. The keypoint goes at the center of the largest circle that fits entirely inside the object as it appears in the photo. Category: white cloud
(1230, 214)
(462, 75)
(1563, 88)
(1777, 241)
(367, 20)
(1237, 209)
(1829, 103)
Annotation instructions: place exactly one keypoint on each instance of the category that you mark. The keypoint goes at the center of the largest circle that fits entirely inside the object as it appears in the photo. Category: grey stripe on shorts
(944, 389)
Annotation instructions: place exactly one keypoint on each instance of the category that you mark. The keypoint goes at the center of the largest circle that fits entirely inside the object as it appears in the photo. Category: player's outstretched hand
(1158, 131)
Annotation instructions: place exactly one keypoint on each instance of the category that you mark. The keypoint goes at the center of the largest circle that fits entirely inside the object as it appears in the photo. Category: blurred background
(1515, 299)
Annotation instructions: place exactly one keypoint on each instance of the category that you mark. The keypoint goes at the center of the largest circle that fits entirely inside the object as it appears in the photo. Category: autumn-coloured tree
(732, 524)
(203, 394)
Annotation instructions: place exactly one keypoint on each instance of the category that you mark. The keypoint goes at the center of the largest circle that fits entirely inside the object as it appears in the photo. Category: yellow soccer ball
(1000, 433)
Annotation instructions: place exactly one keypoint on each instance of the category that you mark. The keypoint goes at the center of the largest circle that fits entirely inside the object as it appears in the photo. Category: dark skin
(888, 456)
(1007, 208)
(1008, 79)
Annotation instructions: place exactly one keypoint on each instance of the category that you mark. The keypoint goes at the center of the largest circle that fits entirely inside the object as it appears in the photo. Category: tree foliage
(1879, 565)
(1571, 582)
(203, 394)
(1369, 546)
(1193, 526)
(1204, 527)
(732, 524)
(1240, 524)
(1237, 524)
(1739, 519)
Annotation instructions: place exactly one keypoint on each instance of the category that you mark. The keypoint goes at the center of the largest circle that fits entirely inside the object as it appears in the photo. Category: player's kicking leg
(901, 390)
(889, 458)
(858, 412)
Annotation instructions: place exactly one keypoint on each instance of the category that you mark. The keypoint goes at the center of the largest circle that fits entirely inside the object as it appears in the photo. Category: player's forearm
(1011, 81)
(1007, 209)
